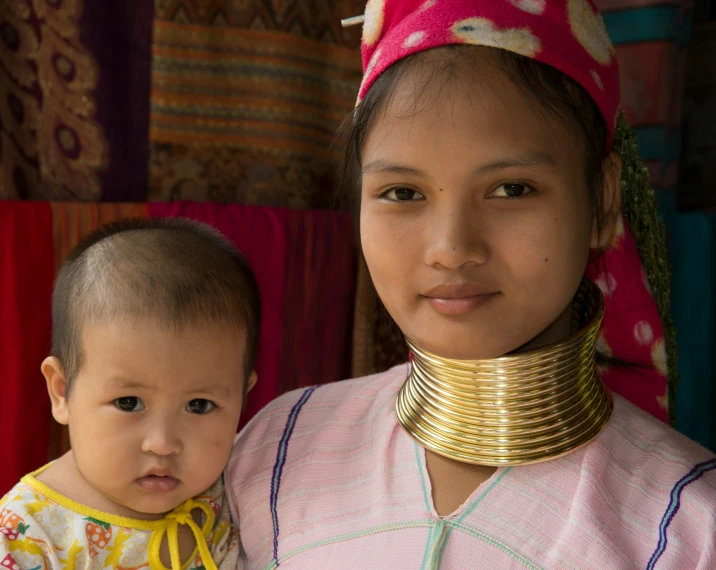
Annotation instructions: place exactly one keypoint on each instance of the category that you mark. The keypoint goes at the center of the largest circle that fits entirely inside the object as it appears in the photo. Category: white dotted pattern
(607, 283)
(643, 333)
(373, 25)
(532, 6)
(414, 39)
(482, 32)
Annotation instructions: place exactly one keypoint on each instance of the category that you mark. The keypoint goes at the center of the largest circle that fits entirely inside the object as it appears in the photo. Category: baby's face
(153, 412)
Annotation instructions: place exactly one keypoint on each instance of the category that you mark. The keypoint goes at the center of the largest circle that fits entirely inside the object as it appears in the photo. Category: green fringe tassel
(640, 209)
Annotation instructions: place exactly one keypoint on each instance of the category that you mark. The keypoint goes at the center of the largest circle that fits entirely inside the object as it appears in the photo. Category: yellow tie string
(182, 516)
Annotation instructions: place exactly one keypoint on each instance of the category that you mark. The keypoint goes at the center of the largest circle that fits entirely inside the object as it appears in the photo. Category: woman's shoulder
(640, 491)
(649, 440)
(654, 487)
(649, 468)
(657, 454)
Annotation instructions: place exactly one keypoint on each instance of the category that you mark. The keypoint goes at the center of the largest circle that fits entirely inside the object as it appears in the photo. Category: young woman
(488, 167)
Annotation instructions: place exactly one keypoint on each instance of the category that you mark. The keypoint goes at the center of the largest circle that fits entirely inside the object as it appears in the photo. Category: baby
(155, 332)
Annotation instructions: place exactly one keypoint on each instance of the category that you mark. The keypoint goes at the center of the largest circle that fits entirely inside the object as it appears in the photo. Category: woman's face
(476, 220)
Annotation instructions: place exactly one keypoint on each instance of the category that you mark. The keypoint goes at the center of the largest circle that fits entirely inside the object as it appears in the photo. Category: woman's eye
(512, 190)
(200, 406)
(129, 404)
(401, 194)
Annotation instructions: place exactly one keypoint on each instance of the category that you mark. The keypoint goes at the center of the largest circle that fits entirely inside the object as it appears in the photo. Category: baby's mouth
(158, 483)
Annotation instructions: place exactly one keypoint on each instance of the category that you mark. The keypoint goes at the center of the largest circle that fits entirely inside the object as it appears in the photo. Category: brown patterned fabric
(313, 19)
(246, 97)
(51, 146)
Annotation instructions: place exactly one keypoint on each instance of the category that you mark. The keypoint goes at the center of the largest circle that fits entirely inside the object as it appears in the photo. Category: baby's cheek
(217, 441)
(210, 456)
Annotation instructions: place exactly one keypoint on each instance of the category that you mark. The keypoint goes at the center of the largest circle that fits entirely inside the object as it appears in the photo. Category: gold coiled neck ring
(516, 409)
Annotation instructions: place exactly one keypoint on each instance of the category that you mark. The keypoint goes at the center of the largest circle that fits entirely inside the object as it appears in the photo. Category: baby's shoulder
(20, 508)
(24, 539)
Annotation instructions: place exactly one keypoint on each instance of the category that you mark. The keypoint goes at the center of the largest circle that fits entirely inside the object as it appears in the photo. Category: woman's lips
(459, 298)
(459, 305)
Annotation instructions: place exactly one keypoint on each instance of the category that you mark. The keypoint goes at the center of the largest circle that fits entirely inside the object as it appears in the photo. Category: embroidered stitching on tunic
(422, 478)
(674, 504)
(497, 544)
(471, 508)
(349, 536)
(281, 461)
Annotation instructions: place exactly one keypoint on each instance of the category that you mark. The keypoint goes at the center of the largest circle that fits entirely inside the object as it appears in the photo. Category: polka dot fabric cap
(566, 34)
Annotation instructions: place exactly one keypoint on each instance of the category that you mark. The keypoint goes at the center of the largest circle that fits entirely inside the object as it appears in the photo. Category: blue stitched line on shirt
(281, 461)
(469, 510)
(674, 505)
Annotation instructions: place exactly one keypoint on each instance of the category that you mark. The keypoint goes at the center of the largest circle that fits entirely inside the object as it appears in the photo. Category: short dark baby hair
(177, 271)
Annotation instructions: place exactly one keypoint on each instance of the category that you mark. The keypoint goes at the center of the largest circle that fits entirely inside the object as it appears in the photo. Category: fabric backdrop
(236, 102)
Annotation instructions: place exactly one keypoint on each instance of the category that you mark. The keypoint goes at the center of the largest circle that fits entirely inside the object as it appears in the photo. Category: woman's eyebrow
(526, 159)
(383, 166)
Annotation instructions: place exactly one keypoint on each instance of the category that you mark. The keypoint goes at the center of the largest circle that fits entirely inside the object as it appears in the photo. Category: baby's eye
(129, 404)
(200, 406)
(512, 190)
(402, 194)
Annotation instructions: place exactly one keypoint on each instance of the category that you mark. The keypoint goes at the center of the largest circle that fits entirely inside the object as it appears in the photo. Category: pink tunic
(327, 478)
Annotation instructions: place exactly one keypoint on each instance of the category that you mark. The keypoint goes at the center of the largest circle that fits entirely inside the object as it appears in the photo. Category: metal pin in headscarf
(354, 21)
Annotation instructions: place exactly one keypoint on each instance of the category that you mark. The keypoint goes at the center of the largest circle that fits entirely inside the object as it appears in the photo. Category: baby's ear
(57, 388)
(611, 203)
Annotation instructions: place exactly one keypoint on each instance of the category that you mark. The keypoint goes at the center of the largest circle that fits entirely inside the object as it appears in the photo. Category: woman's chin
(463, 348)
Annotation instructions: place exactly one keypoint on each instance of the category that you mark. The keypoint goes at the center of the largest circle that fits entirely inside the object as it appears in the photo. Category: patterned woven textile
(174, 99)
(304, 261)
(67, 71)
(246, 99)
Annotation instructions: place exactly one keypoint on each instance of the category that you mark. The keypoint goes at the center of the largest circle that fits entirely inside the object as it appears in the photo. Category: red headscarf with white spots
(570, 36)
(566, 34)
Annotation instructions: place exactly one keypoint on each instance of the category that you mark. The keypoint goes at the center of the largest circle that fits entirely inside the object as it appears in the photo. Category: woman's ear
(611, 202)
(251, 382)
(57, 388)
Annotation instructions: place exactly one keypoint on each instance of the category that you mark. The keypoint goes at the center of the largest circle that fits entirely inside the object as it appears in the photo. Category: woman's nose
(455, 236)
